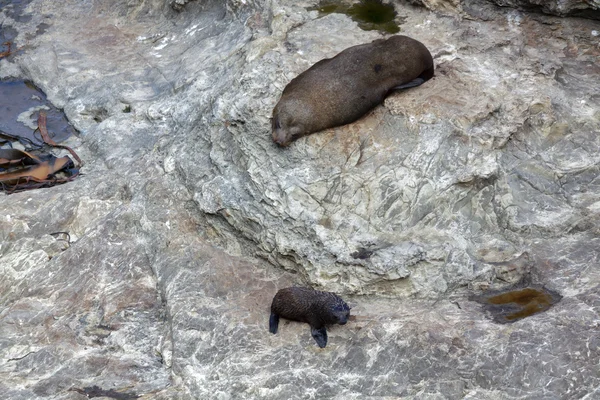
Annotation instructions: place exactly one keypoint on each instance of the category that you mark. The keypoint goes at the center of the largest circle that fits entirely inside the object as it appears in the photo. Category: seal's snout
(342, 319)
(279, 135)
(280, 138)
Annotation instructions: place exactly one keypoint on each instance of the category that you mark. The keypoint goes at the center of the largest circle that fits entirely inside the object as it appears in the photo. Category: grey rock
(187, 219)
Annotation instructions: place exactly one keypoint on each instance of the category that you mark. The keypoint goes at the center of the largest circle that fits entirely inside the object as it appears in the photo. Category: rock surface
(187, 218)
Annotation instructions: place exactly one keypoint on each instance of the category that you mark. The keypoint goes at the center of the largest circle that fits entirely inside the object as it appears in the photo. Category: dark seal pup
(340, 90)
(318, 309)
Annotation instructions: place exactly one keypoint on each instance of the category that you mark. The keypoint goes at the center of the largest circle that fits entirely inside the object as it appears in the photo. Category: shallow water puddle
(369, 14)
(20, 103)
(29, 127)
(517, 303)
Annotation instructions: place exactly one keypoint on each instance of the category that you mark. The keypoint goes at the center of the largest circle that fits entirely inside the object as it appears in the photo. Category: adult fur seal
(339, 90)
(316, 308)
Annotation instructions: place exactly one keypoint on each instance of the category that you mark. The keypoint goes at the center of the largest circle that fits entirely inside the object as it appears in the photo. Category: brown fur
(340, 90)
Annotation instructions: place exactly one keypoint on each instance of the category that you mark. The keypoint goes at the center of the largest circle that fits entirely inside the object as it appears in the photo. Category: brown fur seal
(340, 90)
(316, 308)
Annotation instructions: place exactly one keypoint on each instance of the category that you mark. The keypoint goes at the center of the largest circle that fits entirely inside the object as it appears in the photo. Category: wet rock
(573, 8)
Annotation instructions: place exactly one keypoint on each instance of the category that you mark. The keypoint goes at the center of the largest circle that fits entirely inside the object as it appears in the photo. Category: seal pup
(316, 308)
(339, 90)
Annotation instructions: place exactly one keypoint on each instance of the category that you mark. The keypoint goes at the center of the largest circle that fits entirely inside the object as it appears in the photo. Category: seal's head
(285, 130)
(341, 311)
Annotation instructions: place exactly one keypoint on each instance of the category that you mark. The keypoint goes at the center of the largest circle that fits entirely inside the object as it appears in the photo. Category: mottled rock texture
(187, 218)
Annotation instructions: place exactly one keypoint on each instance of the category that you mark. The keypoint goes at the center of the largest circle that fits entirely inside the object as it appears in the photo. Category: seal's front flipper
(320, 336)
(413, 83)
(273, 323)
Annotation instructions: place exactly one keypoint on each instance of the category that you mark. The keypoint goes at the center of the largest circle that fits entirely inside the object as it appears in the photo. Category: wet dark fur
(316, 308)
(340, 90)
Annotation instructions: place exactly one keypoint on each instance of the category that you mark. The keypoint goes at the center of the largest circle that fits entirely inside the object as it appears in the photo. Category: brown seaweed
(21, 170)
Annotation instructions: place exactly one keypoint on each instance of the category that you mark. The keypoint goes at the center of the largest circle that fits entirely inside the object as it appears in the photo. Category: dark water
(518, 303)
(16, 98)
(369, 14)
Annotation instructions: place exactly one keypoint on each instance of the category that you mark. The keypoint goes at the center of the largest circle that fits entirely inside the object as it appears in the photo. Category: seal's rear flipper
(413, 83)
(320, 336)
(273, 323)
(424, 77)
